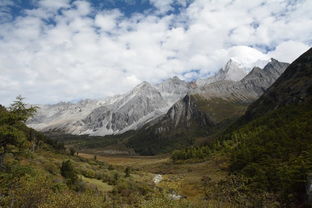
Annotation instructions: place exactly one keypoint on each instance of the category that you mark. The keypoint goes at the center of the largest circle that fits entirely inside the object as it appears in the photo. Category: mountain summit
(233, 71)
(294, 86)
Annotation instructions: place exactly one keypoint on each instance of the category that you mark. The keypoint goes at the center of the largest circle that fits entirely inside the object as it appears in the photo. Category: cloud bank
(61, 50)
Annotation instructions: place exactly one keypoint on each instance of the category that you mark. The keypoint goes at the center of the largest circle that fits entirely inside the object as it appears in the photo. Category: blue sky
(17, 8)
(63, 50)
(128, 7)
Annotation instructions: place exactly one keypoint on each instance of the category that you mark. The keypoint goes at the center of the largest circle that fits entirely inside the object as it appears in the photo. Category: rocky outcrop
(258, 80)
(184, 113)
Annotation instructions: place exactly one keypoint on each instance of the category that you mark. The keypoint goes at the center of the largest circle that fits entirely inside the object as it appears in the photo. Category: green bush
(127, 172)
(68, 172)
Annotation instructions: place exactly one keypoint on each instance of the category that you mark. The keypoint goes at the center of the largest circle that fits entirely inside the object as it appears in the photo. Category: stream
(173, 195)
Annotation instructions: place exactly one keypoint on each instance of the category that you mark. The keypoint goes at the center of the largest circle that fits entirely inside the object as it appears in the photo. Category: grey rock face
(132, 109)
(249, 88)
(182, 114)
(173, 89)
(185, 110)
(111, 115)
(259, 80)
(62, 116)
(294, 86)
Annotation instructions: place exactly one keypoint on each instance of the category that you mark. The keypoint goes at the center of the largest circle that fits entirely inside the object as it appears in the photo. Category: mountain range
(168, 104)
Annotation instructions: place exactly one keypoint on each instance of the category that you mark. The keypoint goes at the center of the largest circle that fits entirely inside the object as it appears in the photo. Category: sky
(67, 50)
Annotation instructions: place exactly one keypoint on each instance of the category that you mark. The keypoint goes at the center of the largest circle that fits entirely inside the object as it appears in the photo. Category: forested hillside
(270, 148)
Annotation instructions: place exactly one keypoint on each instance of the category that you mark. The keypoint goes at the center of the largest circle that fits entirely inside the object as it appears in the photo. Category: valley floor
(184, 179)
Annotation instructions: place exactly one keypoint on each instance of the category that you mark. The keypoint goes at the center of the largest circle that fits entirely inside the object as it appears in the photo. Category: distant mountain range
(170, 104)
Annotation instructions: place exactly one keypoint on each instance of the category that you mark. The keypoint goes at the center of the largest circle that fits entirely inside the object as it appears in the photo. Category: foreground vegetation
(39, 172)
(266, 163)
(250, 166)
(270, 156)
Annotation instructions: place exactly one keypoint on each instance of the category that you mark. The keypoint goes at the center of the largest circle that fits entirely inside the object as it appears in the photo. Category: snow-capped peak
(232, 64)
(249, 63)
(235, 69)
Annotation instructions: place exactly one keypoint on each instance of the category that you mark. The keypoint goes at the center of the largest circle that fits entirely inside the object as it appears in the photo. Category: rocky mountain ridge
(146, 102)
(294, 86)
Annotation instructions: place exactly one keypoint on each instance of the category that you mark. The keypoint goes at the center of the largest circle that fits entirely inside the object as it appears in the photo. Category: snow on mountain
(235, 70)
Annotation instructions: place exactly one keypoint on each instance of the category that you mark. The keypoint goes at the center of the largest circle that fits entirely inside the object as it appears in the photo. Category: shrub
(127, 172)
(72, 151)
(68, 172)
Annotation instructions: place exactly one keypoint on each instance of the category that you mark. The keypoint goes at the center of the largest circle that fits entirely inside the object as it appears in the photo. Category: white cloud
(78, 56)
(288, 51)
(163, 5)
(246, 55)
(5, 11)
(54, 5)
(107, 20)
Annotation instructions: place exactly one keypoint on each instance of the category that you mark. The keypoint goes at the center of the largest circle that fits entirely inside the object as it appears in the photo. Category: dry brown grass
(131, 161)
(100, 185)
(184, 178)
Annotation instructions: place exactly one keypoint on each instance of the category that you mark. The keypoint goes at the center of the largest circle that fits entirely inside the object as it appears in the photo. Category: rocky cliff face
(247, 89)
(173, 129)
(135, 108)
(258, 80)
(294, 86)
(184, 113)
(173, 89)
